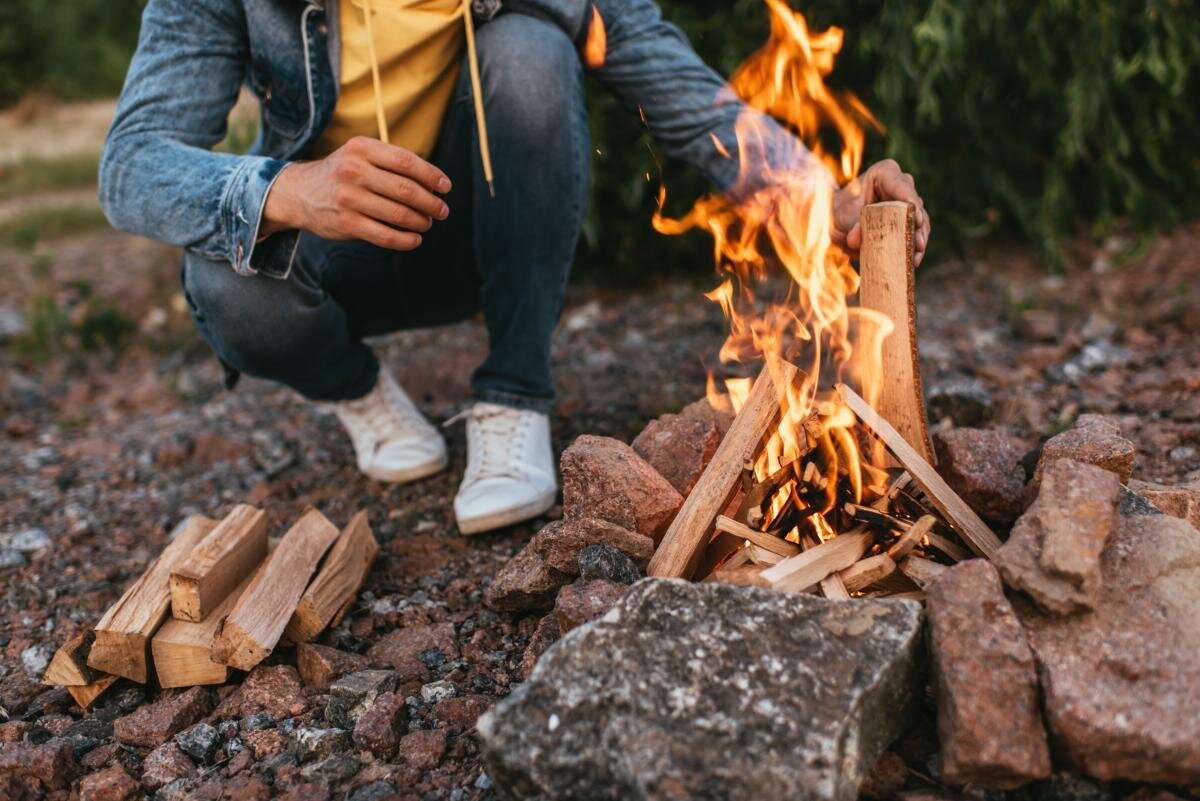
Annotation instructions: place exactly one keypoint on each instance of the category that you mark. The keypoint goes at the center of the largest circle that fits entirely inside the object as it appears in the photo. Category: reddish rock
(1093, 440)
(605, 478)
(984, 467)
(378, 728)
(585, 601)
(164, 765)
(110, 784)
(305, 791)
(14, 731)
(1181, 500)
(702, 409)
(272, 689)
(885, 779)
(50, 763)
(423, 749)
(319, 665)
(525, 583)
(1121, 685)
(679, 448)
(246, 788)
(265, 742)
(208, 449)
(989, 722)
(560, 543)
(545, 635)
(100, 756)
(402, 649)
(1053, 553)
(152, 725)
(459, 713)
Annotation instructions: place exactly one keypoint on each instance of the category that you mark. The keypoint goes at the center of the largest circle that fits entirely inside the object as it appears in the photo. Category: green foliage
(40, 223)
(78, 322)
(41, 175)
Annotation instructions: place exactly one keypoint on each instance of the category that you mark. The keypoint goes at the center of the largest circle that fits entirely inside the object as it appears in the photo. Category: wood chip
(683, 545)
(229, 553)
(263, 610)
(336, 585)
(123, 635)
(956, 512)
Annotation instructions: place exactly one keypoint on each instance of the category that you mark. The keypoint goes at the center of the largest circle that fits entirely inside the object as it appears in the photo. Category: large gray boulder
(709, 691)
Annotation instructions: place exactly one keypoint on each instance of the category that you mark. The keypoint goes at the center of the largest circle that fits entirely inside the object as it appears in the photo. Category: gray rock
(11, 558)
(965, 401)
(333, 771)
(605, 562)
(87, 734)
(709, 691)
(35, 659)
(29, 540)
(199, 742)
(350, 695)
(310, 743)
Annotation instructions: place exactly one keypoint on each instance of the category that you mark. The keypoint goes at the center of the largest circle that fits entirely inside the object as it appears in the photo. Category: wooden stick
(831, 586)
(69, 667)
(888, 287)
(769, 540)
(868, 514)
(895, 582)
(333, 590)
(951, 549)
(956, 512)
(182, 649)
(803, 571)
(123, 635)
(262, 612)
(922, 571)
(741, 576)
(912, 595)
(761, 556)
(86, 694)
(221, 562)
(866, 571)
(911, 538)
(682, 546)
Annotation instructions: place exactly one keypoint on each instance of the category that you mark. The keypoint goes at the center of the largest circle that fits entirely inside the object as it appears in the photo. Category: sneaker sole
(507, 517)
(410, 474)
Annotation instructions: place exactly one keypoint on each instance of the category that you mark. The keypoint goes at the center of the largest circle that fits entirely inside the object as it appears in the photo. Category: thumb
(854, 238)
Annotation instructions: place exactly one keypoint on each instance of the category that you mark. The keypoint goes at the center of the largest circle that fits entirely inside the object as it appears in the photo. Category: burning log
(886, 270)
(974, 531)
(915, 535)
(683, 545)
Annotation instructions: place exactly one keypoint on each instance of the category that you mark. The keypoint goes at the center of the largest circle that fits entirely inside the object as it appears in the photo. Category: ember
(808, 461)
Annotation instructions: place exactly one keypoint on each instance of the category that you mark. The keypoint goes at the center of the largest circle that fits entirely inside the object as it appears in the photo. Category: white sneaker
(392, 439)
(510, 468)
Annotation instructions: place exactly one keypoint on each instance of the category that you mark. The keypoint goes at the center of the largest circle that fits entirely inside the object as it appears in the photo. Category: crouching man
(418, 161)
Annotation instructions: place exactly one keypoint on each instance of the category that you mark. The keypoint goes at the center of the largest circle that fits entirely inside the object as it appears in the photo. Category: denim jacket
(160, 178)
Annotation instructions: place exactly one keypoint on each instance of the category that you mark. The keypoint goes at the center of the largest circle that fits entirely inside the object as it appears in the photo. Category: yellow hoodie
(400, 64)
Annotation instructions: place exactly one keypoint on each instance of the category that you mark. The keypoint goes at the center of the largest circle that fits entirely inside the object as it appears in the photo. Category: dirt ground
(103, 451)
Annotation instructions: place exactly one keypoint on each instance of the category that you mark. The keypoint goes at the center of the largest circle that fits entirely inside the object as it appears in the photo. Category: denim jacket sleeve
(158, 174)
(649, 65)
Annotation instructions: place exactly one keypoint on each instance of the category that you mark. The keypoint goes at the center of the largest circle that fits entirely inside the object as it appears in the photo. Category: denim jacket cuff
(242, 208)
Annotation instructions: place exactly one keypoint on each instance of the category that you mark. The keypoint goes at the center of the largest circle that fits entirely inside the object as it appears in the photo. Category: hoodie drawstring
(476, 88)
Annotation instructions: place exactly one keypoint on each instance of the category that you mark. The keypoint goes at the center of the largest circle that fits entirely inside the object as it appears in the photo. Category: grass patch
(39, 224)
(43, 175)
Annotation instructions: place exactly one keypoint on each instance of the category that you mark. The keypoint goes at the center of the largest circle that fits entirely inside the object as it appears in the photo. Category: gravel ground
(103, 453)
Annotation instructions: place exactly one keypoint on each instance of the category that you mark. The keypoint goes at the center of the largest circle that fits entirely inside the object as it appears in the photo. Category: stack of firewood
(221, 595)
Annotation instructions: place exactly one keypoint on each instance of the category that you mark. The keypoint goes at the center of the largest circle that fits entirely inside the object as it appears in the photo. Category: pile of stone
(1073, 653)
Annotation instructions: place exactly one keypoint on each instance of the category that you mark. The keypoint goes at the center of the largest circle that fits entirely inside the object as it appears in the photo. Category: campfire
(812, 487)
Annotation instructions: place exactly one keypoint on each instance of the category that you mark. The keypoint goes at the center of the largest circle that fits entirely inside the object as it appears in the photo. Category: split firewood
(866, 572)
(888, 287)
(683, 545)
(742, 576)
(69, 667)
(922, 571)
(974, 531)
(86, 694)
(336, 585)
(948, 547)
(799, 573)
(763, 539)
(182, 650)
(761, 556)
(123, 634)
(866, 514)
(221, 562)
(263, 610)
(831, 586)
(894, 583)
(911, 538)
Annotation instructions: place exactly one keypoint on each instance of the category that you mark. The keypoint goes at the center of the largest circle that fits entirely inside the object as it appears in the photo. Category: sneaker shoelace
(385, 417)
(496, 438)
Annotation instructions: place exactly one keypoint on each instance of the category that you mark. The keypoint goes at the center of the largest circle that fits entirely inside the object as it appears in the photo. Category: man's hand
(882, 181)
(364, 190)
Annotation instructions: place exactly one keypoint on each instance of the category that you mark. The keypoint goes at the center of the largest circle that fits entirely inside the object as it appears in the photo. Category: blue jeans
(508, 256)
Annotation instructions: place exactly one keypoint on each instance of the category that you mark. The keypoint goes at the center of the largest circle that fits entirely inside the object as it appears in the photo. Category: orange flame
(786, 286)
(595, 47)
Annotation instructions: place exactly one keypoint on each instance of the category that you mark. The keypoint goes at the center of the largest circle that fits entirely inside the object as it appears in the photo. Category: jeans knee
(532, 75)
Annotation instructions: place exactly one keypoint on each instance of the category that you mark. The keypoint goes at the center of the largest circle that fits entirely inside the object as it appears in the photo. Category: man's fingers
(406, 192)
(854, 238)
(385, 236)
(394, 214)
(399, 161)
